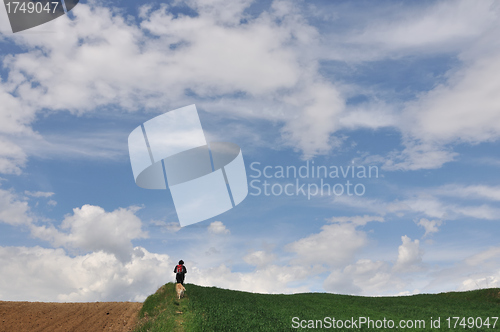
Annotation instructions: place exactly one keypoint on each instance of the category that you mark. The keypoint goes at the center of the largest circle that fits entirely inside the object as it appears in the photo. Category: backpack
(180, 269)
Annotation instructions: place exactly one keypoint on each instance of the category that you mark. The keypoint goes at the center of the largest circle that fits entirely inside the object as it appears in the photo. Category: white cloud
(100, 145)
(441, 27)
(259, 258)
(12, 157)
(270, 279)
(365, 277)
(15, 115)
(39, 274)
(480, 270)
(271, 62)
(377, 115)
(256, 61)
(479, 282)
(409, 256)
(91, 228)
(483, 256)
(462, 108)
(434, 207)
(419, 155)
(311, 129)
(408, 274)
(465, 109)
(422, 202)
(473, 191)
(38, 194)
(172, 226)
(335, 245)
(430, 226)
(369, 277)
(426, 204)
(100, 59)
(483, 211)
(220, 10)
(14, 211)
(112, 269)
(54, 275)
(217, 227)
(357, 220)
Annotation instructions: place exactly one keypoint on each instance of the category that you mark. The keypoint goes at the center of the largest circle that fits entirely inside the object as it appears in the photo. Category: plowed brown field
(58, 317)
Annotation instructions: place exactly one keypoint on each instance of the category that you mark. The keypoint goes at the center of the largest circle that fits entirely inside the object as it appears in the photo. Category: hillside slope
(214, 309)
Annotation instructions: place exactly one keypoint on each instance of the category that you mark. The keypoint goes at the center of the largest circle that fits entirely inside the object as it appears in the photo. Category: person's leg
(182, 279)
(179, 278)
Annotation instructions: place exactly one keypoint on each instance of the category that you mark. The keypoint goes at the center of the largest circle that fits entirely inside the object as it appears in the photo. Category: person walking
(180, 272)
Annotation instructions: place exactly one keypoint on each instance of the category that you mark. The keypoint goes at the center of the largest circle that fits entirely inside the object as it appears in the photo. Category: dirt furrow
(65, 317)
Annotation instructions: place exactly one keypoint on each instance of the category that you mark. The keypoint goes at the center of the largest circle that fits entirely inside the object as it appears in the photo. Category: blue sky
(408, 88)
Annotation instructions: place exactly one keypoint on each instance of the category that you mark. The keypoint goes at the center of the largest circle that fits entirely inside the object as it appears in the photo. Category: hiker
(180, 272)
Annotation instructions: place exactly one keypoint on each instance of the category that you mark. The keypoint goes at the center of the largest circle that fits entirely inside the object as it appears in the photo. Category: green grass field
(215, 309)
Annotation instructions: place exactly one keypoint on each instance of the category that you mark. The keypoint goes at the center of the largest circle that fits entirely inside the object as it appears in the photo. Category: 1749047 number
(471, 322)
(31, 7)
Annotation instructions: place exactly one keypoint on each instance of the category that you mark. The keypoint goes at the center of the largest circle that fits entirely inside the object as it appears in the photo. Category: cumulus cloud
(409, 256)
(115, 271)
(109, 269)
(91, 228)
(217, 227)
(333, 247)
(40, 274)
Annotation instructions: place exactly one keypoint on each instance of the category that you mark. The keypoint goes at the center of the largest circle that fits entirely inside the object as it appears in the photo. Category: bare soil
(59, 317)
